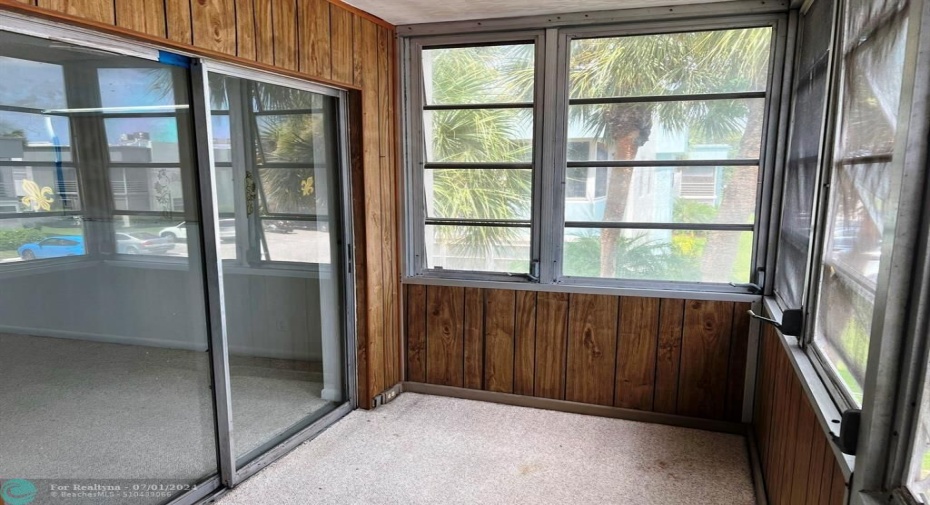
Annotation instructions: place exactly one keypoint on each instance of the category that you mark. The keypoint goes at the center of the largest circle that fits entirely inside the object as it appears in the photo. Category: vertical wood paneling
(178, 20)
(499, 310)
(245, 29)
(705, 350)
(636, 353)
(474, 338)
(365, 74)
(101, 11)
(284, 21)
(524, 343)
(314, 35)
(385, 92)
(736, 374)
(592, 349)
(341, 43)
(671, 321)
(144, 16)
(214, 25)
(416, 333)
(551, 338)
(798, 463)
(264, 31)
(444, 337)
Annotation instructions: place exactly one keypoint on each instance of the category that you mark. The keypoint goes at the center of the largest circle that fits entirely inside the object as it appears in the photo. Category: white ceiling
(403, 12)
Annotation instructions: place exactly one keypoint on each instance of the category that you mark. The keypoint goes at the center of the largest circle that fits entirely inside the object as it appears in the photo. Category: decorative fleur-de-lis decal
(306, 186)
(37, 198)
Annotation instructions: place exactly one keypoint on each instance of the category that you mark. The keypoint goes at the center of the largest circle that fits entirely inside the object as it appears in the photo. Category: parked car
(179, 231)
(52, 247)
(142, 242)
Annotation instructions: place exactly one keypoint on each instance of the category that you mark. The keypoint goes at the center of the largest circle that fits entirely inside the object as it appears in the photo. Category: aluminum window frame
(415, 215)
(550, 157)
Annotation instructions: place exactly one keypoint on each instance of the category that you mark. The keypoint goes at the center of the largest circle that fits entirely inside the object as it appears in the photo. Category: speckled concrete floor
(433, 450)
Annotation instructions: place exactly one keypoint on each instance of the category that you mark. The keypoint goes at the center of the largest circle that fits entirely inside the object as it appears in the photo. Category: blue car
(53, 247)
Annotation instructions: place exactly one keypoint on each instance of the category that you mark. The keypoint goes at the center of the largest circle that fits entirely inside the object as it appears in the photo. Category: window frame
(415, 263)
(550, 157)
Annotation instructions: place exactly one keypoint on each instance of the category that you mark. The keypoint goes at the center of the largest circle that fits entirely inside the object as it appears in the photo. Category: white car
(179, 231)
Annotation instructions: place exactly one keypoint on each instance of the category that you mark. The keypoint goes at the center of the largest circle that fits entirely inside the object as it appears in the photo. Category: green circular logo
(18, 492)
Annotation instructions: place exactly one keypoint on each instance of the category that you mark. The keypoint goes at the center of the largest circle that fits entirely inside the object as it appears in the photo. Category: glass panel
(860, 190)
(143, 140)
(670, 63)
(120, 346)
(479, 248)
(36, 238)
(472, 75)
(297, 241)
(663, 255)
(689, 130)
(38, 85)
(39, 188)
(802, 166)
(293, 138)
(284, 311)
(479, 194)
(136, 89)
(152, 235)
(142, 188)
(485, 135)
(718, 195)
(294, 191)
(34, 137)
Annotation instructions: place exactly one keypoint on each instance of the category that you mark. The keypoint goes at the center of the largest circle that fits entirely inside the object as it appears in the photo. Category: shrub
(12, 239)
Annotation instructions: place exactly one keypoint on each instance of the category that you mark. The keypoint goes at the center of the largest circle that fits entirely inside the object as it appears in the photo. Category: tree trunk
(737, 205)
(618, 191)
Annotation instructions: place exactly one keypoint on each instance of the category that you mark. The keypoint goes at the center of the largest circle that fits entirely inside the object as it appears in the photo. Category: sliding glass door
(175, 288)
(276, 161)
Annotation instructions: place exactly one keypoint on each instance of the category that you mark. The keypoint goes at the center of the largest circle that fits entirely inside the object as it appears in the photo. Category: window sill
(828, 416)
(519, 284)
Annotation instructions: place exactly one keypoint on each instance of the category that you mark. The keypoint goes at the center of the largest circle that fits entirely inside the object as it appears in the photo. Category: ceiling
(404, 12)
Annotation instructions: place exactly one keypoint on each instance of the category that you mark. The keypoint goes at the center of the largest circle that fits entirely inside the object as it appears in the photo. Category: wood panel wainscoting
(668, 356)
(317, 40)
(798, 463)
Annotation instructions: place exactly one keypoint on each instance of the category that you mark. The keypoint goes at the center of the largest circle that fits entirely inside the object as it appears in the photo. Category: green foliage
(11, 239)
(637, 258)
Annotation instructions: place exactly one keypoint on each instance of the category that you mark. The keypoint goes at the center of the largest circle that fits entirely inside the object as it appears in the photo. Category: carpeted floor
(431, 450)
(78, 409)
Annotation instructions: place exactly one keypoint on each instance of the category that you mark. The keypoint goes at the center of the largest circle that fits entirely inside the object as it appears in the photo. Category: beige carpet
(434, 450)
(91, 410)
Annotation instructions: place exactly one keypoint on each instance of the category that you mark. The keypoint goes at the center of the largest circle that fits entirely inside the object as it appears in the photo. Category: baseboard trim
(755, 463)
(575, 408)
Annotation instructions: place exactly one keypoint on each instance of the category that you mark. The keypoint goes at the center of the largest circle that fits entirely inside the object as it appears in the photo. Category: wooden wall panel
(178, 21)
(314, 38)
(551, 339)
(668, 355)
(416, 333)
(245, 29)
(474, 338)
(141, 16)
(214, 25)
(341, 46)
(592, 349)
(524, 360)
(101, 11)
(636, 353)
(444, 335)
(264, 31)
(596, 349)
(284, 23)
(705, 349)
(799, 465)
